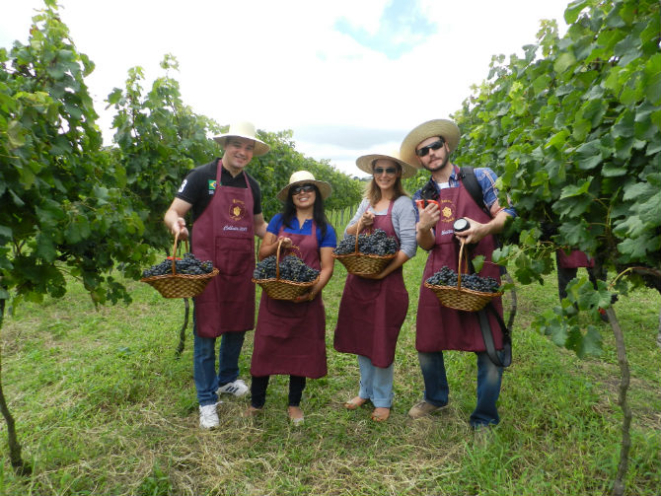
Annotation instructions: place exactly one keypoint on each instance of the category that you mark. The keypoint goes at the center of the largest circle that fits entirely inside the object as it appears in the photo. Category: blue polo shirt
(327, 241)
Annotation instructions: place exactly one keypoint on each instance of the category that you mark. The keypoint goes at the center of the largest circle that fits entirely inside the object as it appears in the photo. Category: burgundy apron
(575, 260)
(290, 338)
(225, 235)
(372, 311)
(440, 328)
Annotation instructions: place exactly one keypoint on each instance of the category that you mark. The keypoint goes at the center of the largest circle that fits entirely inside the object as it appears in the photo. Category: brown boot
(423, 409)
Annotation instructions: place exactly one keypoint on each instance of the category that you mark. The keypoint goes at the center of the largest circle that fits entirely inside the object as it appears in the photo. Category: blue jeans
(375, 382)
(207, 380)
(489, 377)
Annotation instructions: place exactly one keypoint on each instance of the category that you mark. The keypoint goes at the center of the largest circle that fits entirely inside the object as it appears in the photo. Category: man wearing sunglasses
(439, 328)
(225, 203)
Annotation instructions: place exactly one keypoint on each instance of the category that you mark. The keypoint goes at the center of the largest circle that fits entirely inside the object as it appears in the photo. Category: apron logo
(447, 211)
(237, 210)
(212, 186)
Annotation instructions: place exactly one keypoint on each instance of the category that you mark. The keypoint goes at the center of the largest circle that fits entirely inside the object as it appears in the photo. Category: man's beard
(440, 167)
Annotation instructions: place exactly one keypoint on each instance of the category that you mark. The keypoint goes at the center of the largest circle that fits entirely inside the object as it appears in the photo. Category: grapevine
(377, 243)
(291, 267)
(448, 277)
(189, 265)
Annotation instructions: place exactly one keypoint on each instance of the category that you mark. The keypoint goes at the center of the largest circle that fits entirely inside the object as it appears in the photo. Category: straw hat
(365, 162)
(243, 130)
(305, 177)
(437, 127)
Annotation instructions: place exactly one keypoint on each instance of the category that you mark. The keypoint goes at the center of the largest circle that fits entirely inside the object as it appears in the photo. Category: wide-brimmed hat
(243, 130)
(365, 162)
(305, 177)
(447, 129)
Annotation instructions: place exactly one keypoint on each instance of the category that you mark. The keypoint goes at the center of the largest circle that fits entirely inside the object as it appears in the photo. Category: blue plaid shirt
(486, 179)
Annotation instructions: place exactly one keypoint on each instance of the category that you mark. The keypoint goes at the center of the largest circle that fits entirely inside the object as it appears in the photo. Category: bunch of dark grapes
(189, 265)
(292, 269)
(448, 277)
(377, 243)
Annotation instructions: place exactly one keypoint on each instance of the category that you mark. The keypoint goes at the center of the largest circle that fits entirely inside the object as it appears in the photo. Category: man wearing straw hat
(225, 203)
(439, 328)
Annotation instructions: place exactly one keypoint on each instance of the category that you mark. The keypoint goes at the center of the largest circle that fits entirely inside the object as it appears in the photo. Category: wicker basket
(179, 285)
(461, 298)
(281, 289)
(362, 264)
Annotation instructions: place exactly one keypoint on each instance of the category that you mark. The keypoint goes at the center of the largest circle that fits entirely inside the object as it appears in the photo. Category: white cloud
(284, 66)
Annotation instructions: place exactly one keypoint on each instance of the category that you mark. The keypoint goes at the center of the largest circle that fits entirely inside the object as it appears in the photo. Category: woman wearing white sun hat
(290, 338)
(373, 308)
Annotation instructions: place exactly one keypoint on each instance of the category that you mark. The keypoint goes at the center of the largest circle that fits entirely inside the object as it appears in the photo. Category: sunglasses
(380, 170)
(434, 146)
(302, 188)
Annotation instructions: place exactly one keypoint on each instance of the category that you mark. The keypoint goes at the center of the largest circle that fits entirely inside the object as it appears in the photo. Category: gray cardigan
(403, 221)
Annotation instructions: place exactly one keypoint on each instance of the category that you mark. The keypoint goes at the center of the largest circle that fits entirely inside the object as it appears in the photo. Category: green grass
(103, 406)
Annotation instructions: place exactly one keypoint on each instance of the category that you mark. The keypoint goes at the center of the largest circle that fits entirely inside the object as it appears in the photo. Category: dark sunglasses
(434, 146)
(380, 170)
(302, 188)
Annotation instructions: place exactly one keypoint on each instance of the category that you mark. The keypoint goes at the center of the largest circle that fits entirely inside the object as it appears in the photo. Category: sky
(348, 77)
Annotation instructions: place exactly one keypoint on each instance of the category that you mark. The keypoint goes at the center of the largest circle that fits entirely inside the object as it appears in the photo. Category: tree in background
(272, 171)
(64, 211)
(573, 131)
(159, 139)
(347, 191)
(74, 208)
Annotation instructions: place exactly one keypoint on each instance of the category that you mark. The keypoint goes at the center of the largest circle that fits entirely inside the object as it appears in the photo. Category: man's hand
(473, 234)
(429, 216)
(174, 218)
(179, 228)
(477, 231)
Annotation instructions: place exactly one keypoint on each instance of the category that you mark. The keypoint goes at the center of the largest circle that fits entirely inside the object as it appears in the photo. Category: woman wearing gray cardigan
(373, 308)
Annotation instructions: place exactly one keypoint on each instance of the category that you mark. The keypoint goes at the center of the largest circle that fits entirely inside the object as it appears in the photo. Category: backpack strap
(468, 179)
(467, 175)
(504, 358)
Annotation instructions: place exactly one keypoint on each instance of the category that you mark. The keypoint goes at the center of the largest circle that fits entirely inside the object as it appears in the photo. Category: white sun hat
(243, 130)
(365, 163)
(305, 177)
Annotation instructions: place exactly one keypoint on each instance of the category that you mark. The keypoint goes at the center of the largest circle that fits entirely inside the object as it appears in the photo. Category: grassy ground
(104, 407)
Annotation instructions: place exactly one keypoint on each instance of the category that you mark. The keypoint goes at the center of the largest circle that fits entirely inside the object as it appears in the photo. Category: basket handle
(461, 254)
(174, 253)
(277, 257)
(358, 228)
(277, 260)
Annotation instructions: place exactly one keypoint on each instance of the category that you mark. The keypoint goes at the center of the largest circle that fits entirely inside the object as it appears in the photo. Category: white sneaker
(237, 388)
(209, 417)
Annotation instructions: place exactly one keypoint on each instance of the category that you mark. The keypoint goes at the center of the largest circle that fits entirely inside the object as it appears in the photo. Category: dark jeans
(489, 377)
(259, 385)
